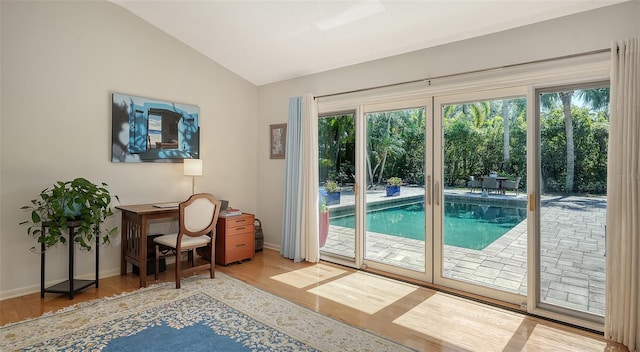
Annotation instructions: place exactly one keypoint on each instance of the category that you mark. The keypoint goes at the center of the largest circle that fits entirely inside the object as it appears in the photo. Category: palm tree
(384, 142)
(596, 98)
(479, 112)
(548, 101)
(505, 145)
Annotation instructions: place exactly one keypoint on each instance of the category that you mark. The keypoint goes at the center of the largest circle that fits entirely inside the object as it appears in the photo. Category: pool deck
(572, 249)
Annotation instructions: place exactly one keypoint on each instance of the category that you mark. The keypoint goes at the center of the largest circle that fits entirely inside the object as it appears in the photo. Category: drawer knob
(241, 245)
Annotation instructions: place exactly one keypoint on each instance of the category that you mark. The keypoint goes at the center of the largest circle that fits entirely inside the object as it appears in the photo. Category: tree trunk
(370, 186)
(385, 150)
(568, 125)
(505, 145)
(336, 151)
(384, 160)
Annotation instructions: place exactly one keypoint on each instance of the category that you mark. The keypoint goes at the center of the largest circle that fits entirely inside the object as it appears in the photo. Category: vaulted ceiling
(270, 41)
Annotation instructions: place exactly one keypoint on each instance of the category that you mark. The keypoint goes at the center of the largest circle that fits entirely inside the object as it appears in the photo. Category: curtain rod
(593, 52)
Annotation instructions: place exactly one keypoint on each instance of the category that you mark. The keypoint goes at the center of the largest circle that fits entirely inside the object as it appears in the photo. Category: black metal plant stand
(72, 285)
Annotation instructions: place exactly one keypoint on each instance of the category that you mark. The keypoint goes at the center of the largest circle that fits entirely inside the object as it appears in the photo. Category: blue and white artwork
(146, 130)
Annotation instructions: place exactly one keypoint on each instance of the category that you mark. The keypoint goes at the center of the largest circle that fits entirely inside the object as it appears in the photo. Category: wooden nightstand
(235, 238)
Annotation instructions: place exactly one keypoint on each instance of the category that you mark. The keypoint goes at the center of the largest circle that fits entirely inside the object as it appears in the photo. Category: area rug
(223, 314)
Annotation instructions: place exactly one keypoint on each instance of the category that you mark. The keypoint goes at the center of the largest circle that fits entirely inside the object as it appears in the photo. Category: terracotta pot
(324, 227)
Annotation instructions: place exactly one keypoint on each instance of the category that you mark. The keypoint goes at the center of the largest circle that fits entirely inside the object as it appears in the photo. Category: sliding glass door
(397, 235)
(337, 176)
(381, 166)
(481, 210)
(499, 193)
(573, 129)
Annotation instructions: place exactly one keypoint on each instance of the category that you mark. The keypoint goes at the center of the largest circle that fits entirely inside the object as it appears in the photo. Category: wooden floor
(418, 317)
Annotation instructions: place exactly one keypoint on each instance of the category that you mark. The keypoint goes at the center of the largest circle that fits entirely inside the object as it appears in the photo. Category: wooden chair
(197, 220)
(512, 185)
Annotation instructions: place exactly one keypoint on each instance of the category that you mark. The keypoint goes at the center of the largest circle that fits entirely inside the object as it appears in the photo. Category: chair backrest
(199, 215)
(489, 182)
(513, 184)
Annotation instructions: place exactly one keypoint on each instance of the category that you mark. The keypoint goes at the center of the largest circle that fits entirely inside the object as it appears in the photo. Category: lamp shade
(193, 167)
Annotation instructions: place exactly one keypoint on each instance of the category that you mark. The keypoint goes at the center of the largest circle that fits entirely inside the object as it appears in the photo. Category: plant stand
(72, 285)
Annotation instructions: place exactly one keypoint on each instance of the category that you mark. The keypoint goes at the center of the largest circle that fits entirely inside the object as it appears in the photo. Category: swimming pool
(465, 225)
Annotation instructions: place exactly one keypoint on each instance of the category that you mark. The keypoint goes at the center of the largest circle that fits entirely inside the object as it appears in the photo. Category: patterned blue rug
(223, 314)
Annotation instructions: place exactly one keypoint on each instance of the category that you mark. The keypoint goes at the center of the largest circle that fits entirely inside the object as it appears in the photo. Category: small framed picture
(278, 137)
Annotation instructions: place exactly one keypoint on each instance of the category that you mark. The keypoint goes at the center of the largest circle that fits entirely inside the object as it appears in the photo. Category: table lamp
(193, 168)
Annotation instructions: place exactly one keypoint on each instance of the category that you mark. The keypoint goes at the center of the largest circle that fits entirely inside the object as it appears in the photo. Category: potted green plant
(393, 186)
(79, 201)
(333, 192)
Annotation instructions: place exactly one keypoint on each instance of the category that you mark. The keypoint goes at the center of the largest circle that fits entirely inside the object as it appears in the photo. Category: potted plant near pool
(393, 186)
(333, 192)
(79, 202)
(323, 218)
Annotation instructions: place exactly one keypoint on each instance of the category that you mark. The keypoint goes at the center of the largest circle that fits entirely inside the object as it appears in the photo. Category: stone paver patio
(572, 252)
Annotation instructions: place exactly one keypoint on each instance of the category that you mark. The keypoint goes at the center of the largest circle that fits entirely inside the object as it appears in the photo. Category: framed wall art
(278, 137)
(146, 130)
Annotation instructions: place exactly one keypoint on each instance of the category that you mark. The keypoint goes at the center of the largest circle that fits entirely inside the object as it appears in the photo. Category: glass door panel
(573, 139)
(481, 237)
(336, 157)
(395, 189)
(490, 201)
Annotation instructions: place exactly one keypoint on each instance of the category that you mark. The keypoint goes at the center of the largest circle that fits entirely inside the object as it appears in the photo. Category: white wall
(579, 33)
(60, 63)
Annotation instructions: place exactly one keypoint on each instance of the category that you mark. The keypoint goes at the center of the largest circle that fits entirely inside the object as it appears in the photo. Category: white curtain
(300, 215)
(623, 198)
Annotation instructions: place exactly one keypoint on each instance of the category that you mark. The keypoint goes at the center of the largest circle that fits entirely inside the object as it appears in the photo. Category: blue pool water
(465, 225)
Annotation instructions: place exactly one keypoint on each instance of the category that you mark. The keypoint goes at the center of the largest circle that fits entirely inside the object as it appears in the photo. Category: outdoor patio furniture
(512, 185)
(473, 183)
(490, 184)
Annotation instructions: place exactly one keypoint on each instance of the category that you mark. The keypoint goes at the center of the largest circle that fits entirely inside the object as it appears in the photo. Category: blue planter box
(393, 191)
(333, 198)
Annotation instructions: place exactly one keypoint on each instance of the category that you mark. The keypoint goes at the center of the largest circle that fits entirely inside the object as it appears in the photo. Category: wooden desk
(134, 234)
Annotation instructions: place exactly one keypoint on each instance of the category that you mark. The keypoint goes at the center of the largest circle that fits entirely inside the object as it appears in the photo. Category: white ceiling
(270, 41)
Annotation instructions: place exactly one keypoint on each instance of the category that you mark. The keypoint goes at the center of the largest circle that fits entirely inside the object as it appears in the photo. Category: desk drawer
(235, 238)
(240, 220)
(239, 247)
(233, 231)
